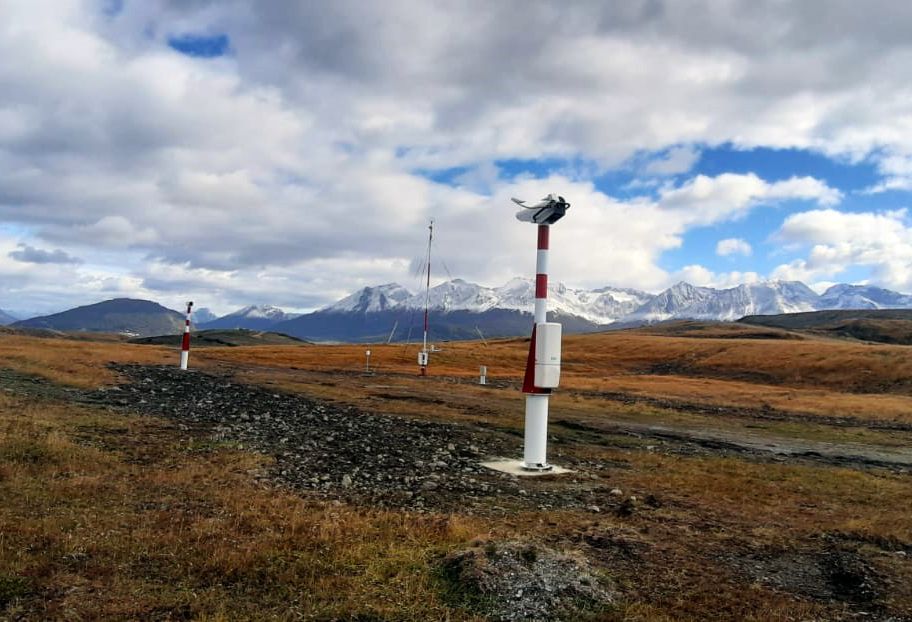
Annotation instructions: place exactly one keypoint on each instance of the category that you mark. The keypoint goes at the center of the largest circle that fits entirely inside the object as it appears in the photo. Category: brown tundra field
(717, 472)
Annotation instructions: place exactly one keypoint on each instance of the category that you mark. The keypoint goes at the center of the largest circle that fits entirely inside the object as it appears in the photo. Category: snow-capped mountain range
(599, 306)
(460, 309)
(608, 305)
(255, 317)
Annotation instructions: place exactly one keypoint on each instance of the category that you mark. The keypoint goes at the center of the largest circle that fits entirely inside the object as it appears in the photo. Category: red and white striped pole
(536, 426)
(185, 344)
(543, 364)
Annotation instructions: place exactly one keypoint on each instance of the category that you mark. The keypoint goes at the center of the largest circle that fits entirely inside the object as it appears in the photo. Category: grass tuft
(12, 588)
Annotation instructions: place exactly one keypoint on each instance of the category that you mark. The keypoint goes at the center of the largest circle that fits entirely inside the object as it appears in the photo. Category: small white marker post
(483, 375)
(185, 342)
(543, 363)
(367, 366)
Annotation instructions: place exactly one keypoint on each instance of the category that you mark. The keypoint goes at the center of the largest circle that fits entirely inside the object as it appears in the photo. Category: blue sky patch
(200, 46)
(112, 8)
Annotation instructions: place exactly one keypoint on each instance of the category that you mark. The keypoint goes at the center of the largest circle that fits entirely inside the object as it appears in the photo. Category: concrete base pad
(515, 467)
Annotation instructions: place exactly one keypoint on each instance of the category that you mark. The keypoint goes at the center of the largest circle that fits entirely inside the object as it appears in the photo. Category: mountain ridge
(251, 317)
(463, 310)
(128, 316)
(6, 318)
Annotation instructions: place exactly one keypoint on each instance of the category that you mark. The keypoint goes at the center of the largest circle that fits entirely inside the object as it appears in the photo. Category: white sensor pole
(543, 363)
(423, 356)
(367, 366)
(185, 343)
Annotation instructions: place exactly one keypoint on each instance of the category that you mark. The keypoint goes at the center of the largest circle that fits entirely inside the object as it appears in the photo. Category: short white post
(185, 342)
(483, 375)
(367, 366)
(535, 448)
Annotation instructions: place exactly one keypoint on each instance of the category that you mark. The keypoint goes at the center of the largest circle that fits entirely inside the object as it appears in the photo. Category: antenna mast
(423, 355)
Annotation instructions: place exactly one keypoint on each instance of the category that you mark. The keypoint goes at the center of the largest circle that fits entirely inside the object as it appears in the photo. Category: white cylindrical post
(483, 375)
(185, 343)
(367, 365)
(535, 449)
(536, 425)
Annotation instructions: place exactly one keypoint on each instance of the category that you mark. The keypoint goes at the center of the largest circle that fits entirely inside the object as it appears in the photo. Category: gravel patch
(512, 581)
(344, 453)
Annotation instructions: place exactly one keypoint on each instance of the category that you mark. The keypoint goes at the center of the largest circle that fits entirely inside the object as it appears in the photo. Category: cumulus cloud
(286, 169)
(878, 241)
(711, 199)
(676, 160)
(733, 246)
(897, 174)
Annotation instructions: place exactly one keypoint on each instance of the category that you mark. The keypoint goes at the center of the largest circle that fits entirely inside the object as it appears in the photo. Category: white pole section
(367, 366)
(185, 343)
(536, 425)
(483, 375)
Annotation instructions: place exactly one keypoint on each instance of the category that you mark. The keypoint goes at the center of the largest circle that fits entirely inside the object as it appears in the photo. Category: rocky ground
(500, 579)
(342, 452)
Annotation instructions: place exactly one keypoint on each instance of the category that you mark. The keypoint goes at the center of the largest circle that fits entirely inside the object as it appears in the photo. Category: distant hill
(48, 333)
(892, 326)
(254, 317)
(223, 338)
(6, 318)
(121, 315)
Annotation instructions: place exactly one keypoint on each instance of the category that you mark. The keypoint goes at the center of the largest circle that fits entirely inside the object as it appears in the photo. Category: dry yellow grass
(807, 363)
(148, 525)
(75, 362)
(811, 376)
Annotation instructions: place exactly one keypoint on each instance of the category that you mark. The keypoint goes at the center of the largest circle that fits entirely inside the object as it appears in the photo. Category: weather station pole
(543, 363)
(424, 355)
(185, 343)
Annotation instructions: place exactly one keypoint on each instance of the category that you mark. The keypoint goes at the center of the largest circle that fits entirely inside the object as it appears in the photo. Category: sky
(237, 152)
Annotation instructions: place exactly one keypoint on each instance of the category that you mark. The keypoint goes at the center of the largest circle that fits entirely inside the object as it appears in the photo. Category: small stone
(594, 508)
(429, 485)
(616, 492)
(346, 481)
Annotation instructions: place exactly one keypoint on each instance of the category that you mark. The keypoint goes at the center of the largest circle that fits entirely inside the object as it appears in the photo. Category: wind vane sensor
(545, 212)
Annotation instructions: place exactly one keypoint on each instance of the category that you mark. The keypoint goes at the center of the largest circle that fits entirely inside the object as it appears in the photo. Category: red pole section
(541, 306)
